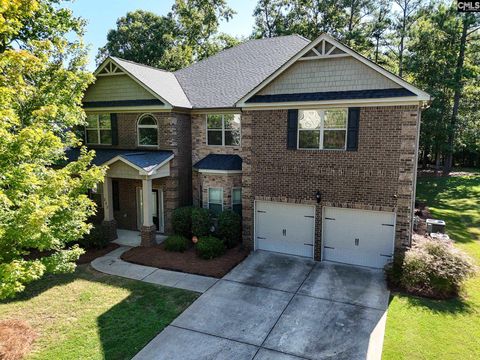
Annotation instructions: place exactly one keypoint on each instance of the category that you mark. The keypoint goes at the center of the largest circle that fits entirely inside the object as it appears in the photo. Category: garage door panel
(358, 237)
(285, 228)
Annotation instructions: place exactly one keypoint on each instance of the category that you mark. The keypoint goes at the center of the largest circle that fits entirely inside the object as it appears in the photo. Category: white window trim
(321, 130)
(223, 131)
(98, 129)
(146, 127)
(208, 196)
(233, 189)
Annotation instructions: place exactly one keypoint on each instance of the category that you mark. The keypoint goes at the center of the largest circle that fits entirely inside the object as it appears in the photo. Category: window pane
(147, 120)
(309, 139)
(237, 208)
(147, 136)
(232, 121)
(105, 136)
(334, 139)
(214, 121)
(335, 118)
(105, 121)
(92, 137)
(232, 137)
(215, 208)
(92, 121)
(237, 196)
(215, 196)
(214, 137)
(308, 119)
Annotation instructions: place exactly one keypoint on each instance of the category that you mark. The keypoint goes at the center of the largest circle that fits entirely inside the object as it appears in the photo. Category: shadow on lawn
(455, 200)
(450, 306)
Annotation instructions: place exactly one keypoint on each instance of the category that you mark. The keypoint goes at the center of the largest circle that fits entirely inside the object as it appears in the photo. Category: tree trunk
(402, 41)
(456, 98)
(437, 162)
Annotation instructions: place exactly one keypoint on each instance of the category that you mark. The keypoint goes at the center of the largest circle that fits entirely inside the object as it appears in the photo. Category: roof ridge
(140, 64)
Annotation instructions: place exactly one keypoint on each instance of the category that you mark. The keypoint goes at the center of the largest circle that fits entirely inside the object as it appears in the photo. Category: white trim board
(420, 94)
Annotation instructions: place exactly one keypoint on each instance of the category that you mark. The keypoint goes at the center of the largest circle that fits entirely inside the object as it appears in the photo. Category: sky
(103, 14)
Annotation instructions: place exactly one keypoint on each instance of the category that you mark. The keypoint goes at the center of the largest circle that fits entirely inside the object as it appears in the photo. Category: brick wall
(202, 182)
(174, 133)
(379, 176)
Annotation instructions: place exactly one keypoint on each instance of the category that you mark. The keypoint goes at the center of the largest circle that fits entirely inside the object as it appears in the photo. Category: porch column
(148, 230)
(109, 222)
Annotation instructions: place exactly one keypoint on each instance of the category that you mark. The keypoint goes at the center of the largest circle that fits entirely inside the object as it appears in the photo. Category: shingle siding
(119, 87)
(338, 74)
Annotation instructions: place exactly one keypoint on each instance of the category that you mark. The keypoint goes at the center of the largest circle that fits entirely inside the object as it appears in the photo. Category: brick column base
(148, 235)
(111, 229)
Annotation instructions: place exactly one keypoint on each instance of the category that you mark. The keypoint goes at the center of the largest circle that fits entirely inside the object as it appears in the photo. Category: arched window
(147, 131)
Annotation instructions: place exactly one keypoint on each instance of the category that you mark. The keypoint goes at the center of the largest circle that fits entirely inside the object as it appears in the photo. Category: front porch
(133, 238)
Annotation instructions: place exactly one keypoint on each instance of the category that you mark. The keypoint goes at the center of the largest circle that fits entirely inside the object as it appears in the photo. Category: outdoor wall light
(318, 196)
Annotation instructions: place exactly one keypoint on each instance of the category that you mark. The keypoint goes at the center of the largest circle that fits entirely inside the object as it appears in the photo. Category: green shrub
(177, 243)
(229, 228)
(210, 247)
(435, 268)
(201, 222)
(182, 221)
(96, 239)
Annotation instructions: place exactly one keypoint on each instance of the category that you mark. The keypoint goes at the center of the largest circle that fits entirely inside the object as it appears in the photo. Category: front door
(157, 208)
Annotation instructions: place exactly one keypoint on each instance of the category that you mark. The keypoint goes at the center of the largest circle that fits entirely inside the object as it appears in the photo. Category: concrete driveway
(274, 306)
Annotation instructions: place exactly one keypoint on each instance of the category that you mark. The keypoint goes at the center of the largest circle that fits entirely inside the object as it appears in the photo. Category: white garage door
(358, 237)
(284, 228)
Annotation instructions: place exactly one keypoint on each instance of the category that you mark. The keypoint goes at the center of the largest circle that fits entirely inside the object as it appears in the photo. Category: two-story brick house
(314, 145)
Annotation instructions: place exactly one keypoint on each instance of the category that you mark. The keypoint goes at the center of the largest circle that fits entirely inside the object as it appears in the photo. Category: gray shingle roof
(146, 160)
(219, 162)
(223, 79)
(161, 82)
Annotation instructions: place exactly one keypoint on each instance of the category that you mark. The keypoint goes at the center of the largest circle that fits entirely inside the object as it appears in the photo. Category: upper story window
(147, 131)
(98, 130)
(322, 129)
(223, 130)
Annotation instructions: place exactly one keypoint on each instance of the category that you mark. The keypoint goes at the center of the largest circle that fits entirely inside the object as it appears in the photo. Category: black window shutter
(114, 125)
(352, 131)
(115, 195)
(292, 129)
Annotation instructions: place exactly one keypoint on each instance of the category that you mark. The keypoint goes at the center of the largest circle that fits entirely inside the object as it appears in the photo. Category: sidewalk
(113, 265)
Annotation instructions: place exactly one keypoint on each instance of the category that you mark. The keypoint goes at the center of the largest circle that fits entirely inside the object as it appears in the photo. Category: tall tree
(378, 27)
(269, 19)
(43, 208)
(189, 33)
(140, 36)
(404, 19)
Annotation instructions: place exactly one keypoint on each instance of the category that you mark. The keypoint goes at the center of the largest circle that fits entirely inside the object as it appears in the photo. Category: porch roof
(146, 160)
(220, 162)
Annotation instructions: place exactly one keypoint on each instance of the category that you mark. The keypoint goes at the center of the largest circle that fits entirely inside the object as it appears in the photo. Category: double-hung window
(223, 130)
(147, 131)
(98, 130)
(215, 200)
(237, 200)
(322, 129)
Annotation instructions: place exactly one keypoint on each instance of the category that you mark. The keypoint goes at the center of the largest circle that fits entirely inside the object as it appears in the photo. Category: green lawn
(88, 315)
(425, 329)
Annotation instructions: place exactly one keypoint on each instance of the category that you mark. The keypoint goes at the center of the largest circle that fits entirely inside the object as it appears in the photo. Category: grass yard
(89, 315)
(426, 329)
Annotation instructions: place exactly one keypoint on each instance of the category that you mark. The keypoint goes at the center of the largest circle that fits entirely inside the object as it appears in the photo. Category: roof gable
(324, 66)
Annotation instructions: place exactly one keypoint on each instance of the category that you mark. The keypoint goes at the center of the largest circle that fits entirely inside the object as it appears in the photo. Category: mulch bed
(16, 339)
(92, 254)
(188, 261)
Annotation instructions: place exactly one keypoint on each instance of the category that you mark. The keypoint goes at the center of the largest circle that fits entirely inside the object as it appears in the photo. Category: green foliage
(42, 81)
(189, 33)
(97, 238)
(182, 221)
(201, 222)
(210, 247)
(434, 268)
(176, 243)
(229, 228)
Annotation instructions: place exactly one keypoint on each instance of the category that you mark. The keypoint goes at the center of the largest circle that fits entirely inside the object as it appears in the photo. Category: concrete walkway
(113, 265)
(274, 306)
